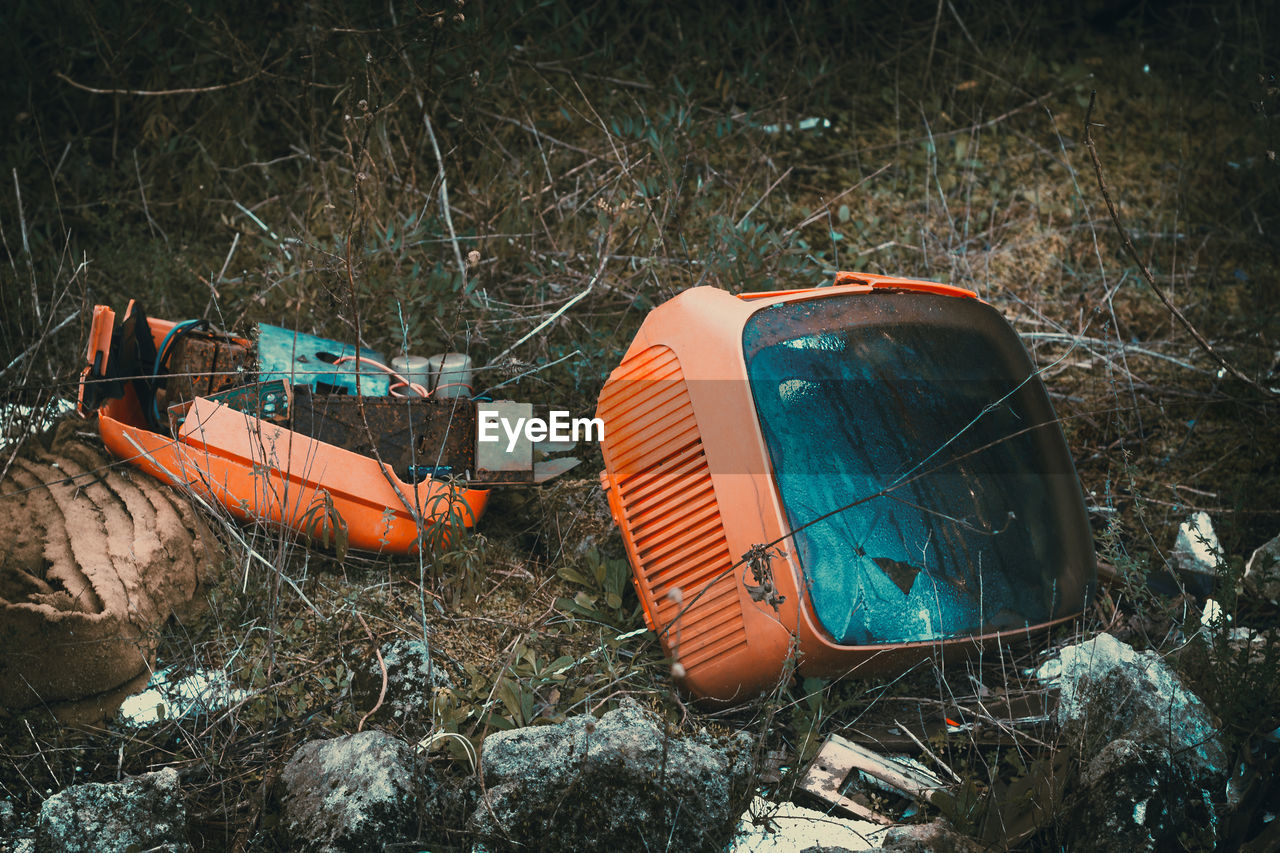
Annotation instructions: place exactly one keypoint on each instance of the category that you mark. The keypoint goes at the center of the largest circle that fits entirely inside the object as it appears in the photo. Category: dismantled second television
(855, 477)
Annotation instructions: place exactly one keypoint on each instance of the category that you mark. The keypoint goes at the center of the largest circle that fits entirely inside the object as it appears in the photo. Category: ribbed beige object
(96, 561)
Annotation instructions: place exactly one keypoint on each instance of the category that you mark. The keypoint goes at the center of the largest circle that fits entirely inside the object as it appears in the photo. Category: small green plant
(324, 525)
(605, 582)
(456, 555)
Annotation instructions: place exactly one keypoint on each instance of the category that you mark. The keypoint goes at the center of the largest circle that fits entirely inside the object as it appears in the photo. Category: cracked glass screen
(922, 411)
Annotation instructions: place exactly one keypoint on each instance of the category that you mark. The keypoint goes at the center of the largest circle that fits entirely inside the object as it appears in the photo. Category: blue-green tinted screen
(917, 458)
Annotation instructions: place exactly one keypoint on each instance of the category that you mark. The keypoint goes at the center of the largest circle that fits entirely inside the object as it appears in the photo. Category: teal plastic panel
(302, 359)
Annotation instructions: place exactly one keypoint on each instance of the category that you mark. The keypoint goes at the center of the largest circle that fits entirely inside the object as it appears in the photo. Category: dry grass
(309, 187)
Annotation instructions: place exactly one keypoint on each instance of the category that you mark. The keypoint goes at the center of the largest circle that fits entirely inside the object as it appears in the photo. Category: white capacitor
(449, 374)
(415, 368)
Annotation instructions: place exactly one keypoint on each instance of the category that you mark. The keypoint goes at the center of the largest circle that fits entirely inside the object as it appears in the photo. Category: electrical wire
(400, 382)
(161, 356)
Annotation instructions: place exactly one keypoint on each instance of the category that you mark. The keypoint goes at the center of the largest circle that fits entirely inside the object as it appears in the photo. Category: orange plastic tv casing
(261, 472)
(686, 523)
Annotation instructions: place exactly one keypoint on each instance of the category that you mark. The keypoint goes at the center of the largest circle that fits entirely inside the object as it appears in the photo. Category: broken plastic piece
(297, 431)
(837, 758)
(302, 359)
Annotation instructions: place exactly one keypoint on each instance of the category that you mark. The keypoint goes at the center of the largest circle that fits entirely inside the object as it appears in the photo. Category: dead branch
(155, 93)
(382, 665)
(1146, 273)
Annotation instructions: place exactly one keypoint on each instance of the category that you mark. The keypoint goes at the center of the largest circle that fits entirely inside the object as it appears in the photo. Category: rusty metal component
(416, 437)
(203, 364)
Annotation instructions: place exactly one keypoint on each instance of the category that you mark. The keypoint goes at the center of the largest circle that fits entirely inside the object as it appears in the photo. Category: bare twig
(142, 191)
(537, 133)
(1146, 273)
(929, 752)
(382, 694)
(771, 188)
(213, 284)
(153, 93)
(826, 206)
(444, 200)
(40, 342)
(933, 40)
(529, 372)
(26, 246)
(604, 259)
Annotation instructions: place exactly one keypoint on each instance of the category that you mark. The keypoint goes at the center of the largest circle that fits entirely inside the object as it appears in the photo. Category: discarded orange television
(857, 477)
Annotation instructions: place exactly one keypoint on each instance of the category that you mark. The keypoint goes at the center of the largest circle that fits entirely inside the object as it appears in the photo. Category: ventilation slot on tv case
(669, 507)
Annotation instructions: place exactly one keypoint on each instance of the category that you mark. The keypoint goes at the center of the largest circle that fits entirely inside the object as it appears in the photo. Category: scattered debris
(169, 697)
(308, 433)
(838, 758)
(1211, 614)
(1148, 750)
(17, 420)
(619, 783)
(785, 827)
(143, 813)
(812, 123)
(350, 794)
(96, 560)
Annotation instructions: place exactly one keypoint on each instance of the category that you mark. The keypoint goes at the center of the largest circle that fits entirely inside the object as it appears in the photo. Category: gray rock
(1197, 548)
(412, 677)
(349, 794)
(1148, 749)
(615, 784)
(937, 836)
(142, 813)
(1117, 693)
(1262, 572)
(1138, 797)
(12, 839)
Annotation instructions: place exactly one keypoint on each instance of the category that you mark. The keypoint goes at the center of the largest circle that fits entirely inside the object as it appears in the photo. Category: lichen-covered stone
(412, 678)
(350, 794)
(1121, 693)
(1262, 572)
(1149, 752)
(615, 784)
(142, 813)
(937, 836)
